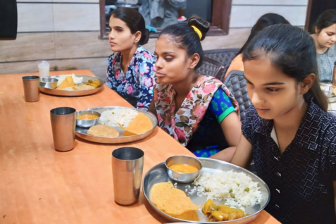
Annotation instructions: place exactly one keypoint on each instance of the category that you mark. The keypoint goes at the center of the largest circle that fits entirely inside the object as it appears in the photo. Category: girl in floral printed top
(130, 67)
(196, 110)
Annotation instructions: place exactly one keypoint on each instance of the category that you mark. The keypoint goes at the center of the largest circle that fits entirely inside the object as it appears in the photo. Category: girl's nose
(158, 64)
(111, 34)
(256, 99)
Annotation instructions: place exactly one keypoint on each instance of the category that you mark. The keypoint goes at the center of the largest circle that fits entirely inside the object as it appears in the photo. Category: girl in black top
(287, 131)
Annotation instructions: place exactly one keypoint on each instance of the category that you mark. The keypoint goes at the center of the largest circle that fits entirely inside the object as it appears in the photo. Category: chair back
(211, 67)
(236, 83)
(224, 56)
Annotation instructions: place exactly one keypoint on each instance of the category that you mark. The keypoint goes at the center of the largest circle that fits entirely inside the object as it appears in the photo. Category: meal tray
(82, 132)
(60, 92)
(159, 174)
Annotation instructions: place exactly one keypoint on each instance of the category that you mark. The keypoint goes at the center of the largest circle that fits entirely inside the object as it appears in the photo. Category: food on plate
(83, 87)
(87, 117)
(72, 82)
(115, 116)
(221, 212)
(68, 82)
(236, 188)
(94, 84)
(140, 124)
(173, 201)
(103, 131)
(183, 168)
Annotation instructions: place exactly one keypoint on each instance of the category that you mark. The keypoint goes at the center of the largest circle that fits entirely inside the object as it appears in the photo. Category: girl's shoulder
(143, 55)
(332, 51)
(113, 56)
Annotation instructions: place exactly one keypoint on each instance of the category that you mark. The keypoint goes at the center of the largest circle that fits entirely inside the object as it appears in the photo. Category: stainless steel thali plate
(82, 132)
(59, 92)
(159, 174)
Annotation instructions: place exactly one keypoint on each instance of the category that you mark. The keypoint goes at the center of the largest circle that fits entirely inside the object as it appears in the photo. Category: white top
(274, 136)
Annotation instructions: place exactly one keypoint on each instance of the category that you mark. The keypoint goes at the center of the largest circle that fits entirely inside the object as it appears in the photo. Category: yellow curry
(221, 212)
(183, 168)
(87, 117)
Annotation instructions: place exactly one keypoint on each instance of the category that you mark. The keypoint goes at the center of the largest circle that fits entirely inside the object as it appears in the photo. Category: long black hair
(292, 50)
(134, 21)
(326, 19)
(264, 21)
(187, 37)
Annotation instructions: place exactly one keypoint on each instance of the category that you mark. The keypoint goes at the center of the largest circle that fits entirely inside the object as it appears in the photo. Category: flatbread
(103, 131)
(139, 125)
(173, 201)
(67, 82)
(84, 87)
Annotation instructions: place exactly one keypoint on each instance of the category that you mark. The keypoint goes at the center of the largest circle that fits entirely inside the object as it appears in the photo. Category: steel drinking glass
(127, 166)
(31, 88)
(63, 124)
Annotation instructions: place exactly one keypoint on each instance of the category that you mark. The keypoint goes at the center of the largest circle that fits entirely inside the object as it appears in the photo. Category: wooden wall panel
(235, 39)
(76, 17)
(246, 16)
(96, 65)
(19, 1)
(80, 44)
(270, 2)
(35, 17)
(28, 46)
(79, 1)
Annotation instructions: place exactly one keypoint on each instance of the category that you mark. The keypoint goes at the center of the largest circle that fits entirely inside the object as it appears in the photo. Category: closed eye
(169, 58)
(273, 89)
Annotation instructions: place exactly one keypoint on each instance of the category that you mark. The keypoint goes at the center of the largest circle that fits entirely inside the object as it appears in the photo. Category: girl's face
(327, 36)
(272, 93)
(172, 63)
(120, 35)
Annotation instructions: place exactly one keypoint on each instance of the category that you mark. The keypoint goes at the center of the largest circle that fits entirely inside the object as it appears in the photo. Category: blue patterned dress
(136, 86)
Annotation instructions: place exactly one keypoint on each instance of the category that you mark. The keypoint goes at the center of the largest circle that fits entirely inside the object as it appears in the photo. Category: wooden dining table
(39, 185)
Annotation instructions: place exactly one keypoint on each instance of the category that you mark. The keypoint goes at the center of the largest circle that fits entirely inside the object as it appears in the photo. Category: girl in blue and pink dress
(130, 66)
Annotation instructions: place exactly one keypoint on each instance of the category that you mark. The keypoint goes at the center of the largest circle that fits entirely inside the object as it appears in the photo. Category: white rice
(115, 116)
(237, 190)
(77, 80)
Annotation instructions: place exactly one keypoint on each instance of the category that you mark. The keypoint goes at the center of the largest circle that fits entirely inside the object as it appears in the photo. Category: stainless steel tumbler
(31, 88)
(127, 166)
(63, 124)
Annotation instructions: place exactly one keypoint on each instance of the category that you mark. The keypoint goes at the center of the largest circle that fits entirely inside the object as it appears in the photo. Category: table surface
(41, 185)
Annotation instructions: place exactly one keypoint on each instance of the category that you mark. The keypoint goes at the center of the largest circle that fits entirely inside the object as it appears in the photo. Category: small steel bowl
(87, 123)
(48, 82)
(183, 177)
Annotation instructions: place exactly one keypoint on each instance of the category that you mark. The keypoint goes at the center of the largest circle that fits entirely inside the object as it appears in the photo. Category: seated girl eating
(197, 110)
(288, 131)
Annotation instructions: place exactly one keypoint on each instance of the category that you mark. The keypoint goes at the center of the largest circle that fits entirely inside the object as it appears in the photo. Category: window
(220, 11)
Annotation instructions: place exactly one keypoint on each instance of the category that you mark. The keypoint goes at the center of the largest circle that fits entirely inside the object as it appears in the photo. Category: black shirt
(301, 179)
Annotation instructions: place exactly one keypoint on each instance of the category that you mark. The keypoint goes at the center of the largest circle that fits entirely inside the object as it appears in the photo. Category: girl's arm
(231, 127)
(243, 154)
(152, 108)
(145, 91)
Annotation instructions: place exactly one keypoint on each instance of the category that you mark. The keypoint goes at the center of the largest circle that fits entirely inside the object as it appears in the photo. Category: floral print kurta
(183, 123)
(136, 86)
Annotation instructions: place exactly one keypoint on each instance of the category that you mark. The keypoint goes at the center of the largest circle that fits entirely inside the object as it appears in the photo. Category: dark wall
(316, 8)
(8, 19)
